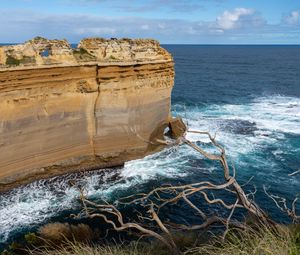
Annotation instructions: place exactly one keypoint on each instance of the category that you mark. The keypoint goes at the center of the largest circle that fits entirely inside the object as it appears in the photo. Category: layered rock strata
(95, 106)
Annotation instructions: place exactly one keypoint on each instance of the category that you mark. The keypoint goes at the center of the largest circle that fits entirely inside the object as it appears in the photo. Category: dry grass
(83, 249)
(257, 240)
(260, 240)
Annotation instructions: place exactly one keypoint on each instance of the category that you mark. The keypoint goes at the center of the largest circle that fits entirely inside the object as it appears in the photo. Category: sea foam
(252, 134)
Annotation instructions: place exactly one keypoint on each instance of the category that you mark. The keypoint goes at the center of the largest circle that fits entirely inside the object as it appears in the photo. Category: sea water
(248, 95)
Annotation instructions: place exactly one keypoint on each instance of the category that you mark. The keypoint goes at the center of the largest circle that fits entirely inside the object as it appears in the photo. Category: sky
(169, 21)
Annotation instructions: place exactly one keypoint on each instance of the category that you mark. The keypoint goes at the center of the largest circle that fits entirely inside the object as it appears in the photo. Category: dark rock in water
(177, 128)
(243, 127)
(292, 105)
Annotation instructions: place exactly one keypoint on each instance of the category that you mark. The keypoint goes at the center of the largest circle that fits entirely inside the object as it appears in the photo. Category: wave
(276, 113)
(245, 127)
(29, 206)
(254, 134)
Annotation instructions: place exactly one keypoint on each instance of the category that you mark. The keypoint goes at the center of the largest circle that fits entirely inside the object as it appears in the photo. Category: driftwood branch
(94, 210)
(190, 194)
(281, 203)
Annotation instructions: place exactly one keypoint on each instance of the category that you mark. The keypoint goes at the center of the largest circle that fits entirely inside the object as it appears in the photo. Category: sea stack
(66, 109)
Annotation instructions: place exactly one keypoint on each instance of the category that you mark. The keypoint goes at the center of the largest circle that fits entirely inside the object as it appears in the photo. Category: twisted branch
(160, 197)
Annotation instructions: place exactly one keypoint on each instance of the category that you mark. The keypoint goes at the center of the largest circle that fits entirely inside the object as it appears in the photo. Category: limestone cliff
(95, 106)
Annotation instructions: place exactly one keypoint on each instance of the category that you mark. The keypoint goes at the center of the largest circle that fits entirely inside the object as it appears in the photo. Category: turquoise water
(249, 95)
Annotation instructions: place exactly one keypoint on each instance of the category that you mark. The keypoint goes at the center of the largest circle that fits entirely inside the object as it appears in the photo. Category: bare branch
(294, 173)
(281, 203)
(162, 196)
(104, 210)
(229, 218)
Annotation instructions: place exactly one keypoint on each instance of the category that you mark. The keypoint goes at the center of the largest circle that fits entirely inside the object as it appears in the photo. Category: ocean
(248, 95)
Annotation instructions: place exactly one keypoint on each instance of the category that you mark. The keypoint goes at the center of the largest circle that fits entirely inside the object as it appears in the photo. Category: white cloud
(95, 31)
(246, 25)
(145, 27)
(216, 31)
(292, 18)
(162, 26)
(232, 19)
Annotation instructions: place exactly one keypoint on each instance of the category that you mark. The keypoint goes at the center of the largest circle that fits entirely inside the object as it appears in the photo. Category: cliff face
(95, 106)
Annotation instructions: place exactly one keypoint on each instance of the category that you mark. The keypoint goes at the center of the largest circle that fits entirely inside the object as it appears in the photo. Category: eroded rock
(40, 51)
(177, 128)
(62, 113)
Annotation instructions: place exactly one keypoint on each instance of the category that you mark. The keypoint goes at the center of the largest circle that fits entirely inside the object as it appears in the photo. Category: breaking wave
(261, 137)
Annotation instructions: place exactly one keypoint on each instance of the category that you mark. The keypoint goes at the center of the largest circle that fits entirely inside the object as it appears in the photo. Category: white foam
(276, 113)
(274, 116)
(34, 204)
(29, 206)
(151, 166)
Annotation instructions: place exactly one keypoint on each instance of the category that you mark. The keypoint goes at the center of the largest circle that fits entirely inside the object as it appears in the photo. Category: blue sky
(169, 21)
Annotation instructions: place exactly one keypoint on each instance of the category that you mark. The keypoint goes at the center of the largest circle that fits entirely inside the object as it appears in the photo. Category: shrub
(11, 61)
(58, 233)
(27, 60)
(112, 57)
(31, 238)
(83, 55)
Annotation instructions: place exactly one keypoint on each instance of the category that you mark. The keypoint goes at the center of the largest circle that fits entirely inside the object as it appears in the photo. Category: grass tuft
(258, 240)
(255, 240)
(84, 249)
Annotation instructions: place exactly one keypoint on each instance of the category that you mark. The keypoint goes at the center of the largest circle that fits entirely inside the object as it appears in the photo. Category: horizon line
(197, 44)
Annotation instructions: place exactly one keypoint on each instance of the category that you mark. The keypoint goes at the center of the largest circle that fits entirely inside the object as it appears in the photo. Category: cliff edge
(94, 106)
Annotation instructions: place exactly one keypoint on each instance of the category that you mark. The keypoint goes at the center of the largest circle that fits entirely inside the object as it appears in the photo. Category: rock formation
(94, 106)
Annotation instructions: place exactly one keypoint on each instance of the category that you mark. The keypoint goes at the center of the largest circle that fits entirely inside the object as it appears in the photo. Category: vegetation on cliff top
(256, 240)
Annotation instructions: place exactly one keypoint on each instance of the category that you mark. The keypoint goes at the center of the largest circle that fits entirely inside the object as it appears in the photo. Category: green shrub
(11, 61)
(31, 238)
(112, 57)
(83, 55)
(27, 60)
(83, 51)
